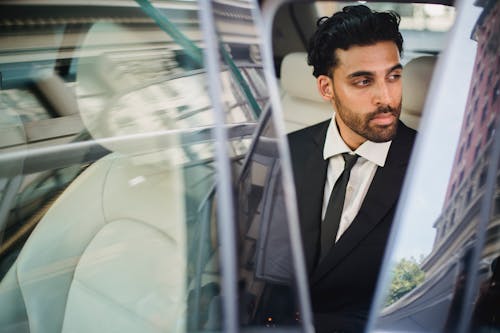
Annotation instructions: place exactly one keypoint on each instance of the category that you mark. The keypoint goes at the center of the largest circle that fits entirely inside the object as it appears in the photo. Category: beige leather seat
(110, 253)
(301, 102)
(417, 77)
(107, 257)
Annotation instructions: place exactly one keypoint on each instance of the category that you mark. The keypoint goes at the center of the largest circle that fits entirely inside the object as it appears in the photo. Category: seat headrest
(297, 79)
(126, 111)
(416, 80)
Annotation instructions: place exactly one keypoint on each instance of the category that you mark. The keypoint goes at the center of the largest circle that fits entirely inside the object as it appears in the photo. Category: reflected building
(45, 46)
(41, 49)
(436, 305)
(456, 226)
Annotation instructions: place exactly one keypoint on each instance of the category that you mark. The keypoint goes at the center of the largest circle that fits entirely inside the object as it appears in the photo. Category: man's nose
(382, 94)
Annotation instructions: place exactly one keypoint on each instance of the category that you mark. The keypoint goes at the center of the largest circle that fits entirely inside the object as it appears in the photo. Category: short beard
(360, 124)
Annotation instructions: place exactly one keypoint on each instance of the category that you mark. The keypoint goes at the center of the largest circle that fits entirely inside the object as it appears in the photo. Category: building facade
(456, 226)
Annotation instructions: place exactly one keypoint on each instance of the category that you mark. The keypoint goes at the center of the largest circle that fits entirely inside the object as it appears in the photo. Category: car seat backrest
(110, 253)
(417, 76)
(125, 276)
(301, 102)
(102, 256)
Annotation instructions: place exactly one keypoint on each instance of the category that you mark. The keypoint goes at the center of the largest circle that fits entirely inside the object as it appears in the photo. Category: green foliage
(406, 275)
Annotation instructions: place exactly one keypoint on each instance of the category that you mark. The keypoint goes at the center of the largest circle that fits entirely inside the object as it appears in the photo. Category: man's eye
(362, 83)
(394, 77)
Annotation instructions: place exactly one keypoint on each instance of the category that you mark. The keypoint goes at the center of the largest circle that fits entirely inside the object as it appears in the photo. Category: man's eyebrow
(360, 73)
(368, 73)
(393, 68)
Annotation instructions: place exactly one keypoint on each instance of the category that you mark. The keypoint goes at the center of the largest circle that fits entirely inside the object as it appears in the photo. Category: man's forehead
(376, 57)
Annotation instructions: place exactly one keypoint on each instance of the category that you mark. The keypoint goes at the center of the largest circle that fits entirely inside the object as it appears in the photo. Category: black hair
(354, 25)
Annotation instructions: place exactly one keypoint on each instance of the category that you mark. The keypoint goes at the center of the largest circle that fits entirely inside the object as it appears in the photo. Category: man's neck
(351, 139)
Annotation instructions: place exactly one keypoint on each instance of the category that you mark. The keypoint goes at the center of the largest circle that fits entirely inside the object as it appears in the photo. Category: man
(356, 59)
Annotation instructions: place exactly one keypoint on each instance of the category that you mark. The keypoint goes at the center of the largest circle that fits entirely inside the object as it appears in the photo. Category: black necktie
(331, 222)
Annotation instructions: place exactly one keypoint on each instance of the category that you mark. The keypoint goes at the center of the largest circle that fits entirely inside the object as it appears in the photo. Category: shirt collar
(372, 151)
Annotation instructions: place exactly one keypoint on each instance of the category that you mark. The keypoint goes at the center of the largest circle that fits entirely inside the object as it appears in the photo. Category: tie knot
(350, 160)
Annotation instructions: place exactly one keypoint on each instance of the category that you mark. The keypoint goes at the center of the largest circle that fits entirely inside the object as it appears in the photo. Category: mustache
(385, 109)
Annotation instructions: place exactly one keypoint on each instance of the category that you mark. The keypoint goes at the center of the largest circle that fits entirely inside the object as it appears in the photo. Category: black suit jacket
(343, 283)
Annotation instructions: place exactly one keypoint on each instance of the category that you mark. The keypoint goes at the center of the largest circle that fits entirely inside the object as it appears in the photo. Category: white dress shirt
(371, 156)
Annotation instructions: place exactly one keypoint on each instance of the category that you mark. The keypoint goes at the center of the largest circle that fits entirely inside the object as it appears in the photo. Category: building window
(469, 139)
(496, 92)
(485, 111)
(452, 219)
(491, 130)
(476, 151)
(482, 178)
(497, 205)
(468, 197)
(460, 155)
(488, 82)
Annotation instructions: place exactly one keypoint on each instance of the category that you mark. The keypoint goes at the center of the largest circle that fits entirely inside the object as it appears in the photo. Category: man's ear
(325, 87)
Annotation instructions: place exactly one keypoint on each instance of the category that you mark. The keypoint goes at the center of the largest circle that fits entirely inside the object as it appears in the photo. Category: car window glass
(109, 202)
(441, 267)
(266, 285)
(126, 89)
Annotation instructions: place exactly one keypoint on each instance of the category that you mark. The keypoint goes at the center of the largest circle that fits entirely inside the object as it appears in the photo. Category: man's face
(366, 92)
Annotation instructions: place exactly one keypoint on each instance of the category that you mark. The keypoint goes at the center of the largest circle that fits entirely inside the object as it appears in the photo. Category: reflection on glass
(444, 287)
(265, 264)
(120, 185)
(111, 224)
(266, 278)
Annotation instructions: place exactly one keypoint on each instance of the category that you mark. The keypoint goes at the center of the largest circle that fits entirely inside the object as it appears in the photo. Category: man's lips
(383, 119)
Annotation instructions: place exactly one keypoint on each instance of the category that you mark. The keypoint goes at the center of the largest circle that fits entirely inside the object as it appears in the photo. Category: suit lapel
(380, 198)
(310, 195)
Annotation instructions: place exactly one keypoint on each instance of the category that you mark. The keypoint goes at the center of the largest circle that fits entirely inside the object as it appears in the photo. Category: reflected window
(497, 206)
(482, 179)
(476, 151)
(484, 113)
(496, 92)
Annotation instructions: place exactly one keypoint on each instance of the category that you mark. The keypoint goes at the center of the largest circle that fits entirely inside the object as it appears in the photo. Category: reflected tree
(406, 275)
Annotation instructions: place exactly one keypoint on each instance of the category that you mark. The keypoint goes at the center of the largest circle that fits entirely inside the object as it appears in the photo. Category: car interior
(110, 210)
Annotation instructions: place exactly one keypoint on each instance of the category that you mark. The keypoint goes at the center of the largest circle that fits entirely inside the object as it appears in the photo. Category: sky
(429, 172)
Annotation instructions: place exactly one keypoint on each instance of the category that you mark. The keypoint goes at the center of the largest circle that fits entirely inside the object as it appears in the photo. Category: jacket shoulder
(402, 144)
(301, 136)
(406, 134)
